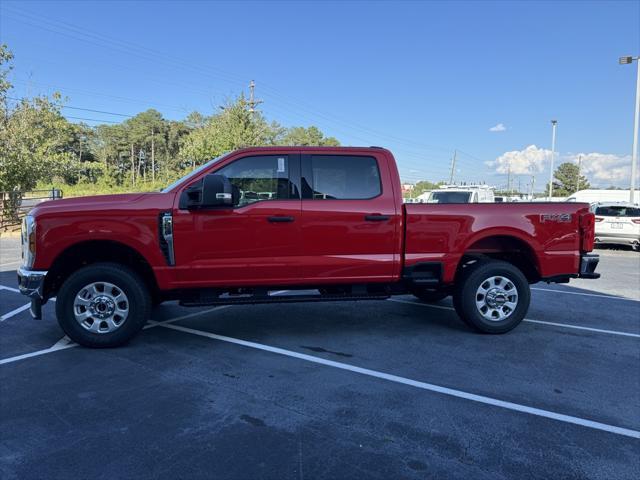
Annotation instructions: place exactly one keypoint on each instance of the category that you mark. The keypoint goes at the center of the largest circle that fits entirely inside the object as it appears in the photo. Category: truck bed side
(547, 234)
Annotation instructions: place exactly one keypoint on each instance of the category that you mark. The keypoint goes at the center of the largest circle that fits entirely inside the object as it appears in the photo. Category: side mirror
(210, 192)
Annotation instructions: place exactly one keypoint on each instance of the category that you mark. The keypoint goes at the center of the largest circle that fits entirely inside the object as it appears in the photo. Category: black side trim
(424, 273)
(164, 246)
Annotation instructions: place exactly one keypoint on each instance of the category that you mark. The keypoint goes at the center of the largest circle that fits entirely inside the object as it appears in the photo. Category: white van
(462, 194)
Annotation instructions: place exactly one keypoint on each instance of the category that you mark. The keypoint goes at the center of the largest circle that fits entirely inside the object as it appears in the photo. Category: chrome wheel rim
(496, 298)
(101, 307)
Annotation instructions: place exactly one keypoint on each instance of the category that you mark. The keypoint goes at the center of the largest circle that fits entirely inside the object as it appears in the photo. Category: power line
(128, 46)
(91, 119)
(79, 108)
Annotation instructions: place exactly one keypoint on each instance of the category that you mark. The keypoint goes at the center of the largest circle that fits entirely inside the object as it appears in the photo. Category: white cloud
(498, 128)
(528, 161)
(604, 169)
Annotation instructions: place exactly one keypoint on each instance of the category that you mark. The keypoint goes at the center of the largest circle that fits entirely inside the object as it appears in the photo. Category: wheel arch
(512, 247)
(88, 252)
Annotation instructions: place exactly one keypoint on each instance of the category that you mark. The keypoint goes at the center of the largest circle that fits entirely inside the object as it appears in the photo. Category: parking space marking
(11, 289)
(415, 383)
(15, 312)
(611, 297)
(529, 320)
(596, 330)
(56, 348)
(63, 345)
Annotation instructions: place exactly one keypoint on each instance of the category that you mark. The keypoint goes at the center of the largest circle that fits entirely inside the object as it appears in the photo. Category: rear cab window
(449, 197)
(341, 177)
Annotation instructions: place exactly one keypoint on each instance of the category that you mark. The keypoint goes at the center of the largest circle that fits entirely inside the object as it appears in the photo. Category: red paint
(329, 241)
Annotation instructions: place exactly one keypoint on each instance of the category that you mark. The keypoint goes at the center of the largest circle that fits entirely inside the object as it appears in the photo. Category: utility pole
(579, 170)
(509, 177)
(636, 120)
(453, 167)
(153, 156)
(533, 184)
(554, 124)
(133, 166)
(253, 102)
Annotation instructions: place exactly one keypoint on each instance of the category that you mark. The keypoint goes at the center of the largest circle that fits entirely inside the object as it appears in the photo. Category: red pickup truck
(329, 221)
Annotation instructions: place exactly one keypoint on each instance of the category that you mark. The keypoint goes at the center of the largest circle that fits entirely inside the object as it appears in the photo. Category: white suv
(618, 223)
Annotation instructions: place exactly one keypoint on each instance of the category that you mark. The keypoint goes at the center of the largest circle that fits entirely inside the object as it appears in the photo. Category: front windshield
(193, 173)
(449, 197)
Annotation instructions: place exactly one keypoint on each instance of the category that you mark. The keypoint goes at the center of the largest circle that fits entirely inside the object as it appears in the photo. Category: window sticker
(281, 165)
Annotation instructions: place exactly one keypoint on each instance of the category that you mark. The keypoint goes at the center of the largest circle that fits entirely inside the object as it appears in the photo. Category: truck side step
(208, 300)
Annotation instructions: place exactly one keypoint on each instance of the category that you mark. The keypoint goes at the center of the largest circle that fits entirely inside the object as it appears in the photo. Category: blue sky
(421, 78)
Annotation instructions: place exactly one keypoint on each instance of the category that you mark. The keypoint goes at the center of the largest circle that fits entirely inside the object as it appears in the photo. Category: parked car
(618, 223)
(333, 221)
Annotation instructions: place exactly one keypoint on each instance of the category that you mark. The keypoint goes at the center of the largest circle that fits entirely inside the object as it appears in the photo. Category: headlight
(28, 236)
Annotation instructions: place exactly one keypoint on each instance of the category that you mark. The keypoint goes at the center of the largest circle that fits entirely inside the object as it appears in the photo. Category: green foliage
(34, 139)
(307, 136)
(40, 147)
(424, 186)
(235, 127)
(566, 180)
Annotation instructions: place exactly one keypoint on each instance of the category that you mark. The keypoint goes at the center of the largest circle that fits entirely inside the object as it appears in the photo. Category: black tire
(125, 279)
(466, 291)
(429, 295)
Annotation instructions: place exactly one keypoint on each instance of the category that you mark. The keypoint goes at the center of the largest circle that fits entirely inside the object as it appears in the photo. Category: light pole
(554, 124)
(634, 153)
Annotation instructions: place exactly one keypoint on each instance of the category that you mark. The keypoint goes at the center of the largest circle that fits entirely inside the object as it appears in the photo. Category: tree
(307, 136)
(34, 140)
(566, 180)
(234, 128)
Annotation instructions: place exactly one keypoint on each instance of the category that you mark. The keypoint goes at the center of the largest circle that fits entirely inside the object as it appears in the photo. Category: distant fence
(16, 204)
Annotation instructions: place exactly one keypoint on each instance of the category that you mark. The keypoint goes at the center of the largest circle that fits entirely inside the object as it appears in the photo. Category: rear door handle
(278, 219)
(376, 218)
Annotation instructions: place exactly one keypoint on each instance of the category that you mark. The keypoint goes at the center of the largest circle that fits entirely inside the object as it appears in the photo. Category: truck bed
(442, 233)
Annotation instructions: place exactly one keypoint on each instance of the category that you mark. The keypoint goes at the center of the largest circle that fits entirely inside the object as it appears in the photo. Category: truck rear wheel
(103, 305)
(492, 296)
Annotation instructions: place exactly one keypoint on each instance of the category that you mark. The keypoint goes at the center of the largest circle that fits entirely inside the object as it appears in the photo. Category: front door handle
(278, 219)
(376, 218)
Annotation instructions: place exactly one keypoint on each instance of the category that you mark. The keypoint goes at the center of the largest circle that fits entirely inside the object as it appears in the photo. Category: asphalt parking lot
(386, 389)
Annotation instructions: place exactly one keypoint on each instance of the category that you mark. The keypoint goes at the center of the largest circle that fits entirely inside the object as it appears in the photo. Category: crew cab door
(255, 242)
(350, 221)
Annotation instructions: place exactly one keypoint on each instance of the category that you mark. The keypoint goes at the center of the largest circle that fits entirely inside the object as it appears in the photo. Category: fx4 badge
(555, 217)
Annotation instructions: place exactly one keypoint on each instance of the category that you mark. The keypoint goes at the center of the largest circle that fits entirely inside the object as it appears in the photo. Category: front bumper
(31, 284)
(588, 264)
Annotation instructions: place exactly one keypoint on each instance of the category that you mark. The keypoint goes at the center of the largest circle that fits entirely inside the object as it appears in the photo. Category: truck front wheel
(492, 296)
(103, 305)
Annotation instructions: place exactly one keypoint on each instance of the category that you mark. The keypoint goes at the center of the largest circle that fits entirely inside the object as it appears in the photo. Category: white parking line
(63, 345)
(417, 384)
(610, 297)
(15, 312)
(529, 320)
(11, 289)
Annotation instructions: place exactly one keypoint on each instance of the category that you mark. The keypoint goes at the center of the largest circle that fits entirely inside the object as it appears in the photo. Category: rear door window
(618, 211)
(341, 177)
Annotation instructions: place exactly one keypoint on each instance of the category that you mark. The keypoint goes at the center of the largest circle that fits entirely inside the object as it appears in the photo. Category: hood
(123, 201)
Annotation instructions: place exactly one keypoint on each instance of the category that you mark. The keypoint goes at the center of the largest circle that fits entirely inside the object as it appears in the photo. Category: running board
(251, 299)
